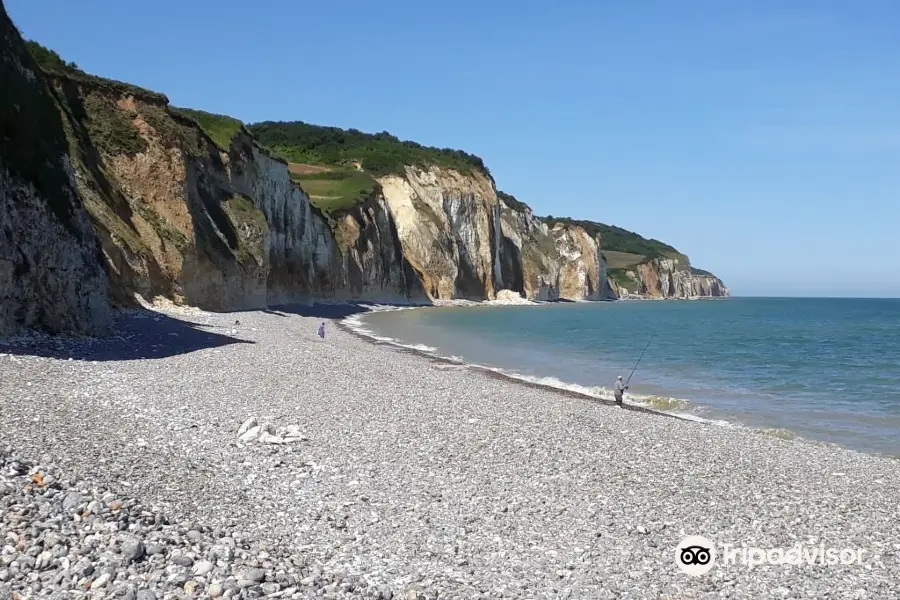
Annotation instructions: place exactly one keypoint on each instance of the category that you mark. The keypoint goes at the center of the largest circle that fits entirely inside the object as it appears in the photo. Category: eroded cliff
(448, 225)
(190, 206)
(669, 277)
(51, 274)
(221, 227)
(549, 263)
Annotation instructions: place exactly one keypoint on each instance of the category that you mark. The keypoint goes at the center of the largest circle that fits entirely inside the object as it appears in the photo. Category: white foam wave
(681, 408)
(356, 324)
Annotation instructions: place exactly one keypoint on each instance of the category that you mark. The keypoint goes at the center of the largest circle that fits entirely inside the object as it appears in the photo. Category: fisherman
(619, 390)
(322, 330)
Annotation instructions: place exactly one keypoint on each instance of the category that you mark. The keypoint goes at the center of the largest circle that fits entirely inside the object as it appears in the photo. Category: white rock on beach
(268, 433)
(268, 438)
(251, 434)
(247, 425)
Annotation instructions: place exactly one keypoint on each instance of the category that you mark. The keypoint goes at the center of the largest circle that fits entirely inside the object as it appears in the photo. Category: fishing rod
(639, 359)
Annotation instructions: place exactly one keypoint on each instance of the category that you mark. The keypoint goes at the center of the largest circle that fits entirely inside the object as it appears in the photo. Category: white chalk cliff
(224, 227)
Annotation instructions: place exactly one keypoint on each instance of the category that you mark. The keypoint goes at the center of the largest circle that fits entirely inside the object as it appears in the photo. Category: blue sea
(820, 369)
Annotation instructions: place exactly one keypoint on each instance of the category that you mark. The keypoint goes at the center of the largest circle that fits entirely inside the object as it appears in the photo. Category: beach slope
(402, 477)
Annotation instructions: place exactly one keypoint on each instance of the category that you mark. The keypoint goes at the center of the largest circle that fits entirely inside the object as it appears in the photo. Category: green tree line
(378, 153)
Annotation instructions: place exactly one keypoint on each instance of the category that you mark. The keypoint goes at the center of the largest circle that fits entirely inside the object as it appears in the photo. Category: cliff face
(708, 286)
(219, 228)
(51, 273)
(373, 265)
(669, 278)
(547, 264)
(448, 225)
(219, 223)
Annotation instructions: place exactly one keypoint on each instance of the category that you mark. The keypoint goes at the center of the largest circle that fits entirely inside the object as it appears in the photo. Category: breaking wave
(677, 407)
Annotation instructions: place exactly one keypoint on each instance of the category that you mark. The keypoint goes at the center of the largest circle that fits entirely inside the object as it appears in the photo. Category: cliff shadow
(321, 311)
(138, 335)
(332, 311)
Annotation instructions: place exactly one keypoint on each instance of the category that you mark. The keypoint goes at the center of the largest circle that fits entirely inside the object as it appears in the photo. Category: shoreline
(410, 480)
(495, 373)
(343, 312)
(353, 324)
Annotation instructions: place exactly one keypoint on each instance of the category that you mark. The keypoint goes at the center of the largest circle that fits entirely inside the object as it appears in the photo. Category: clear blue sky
(762, 138)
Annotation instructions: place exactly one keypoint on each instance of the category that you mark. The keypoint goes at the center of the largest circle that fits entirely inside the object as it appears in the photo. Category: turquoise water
(822, 369)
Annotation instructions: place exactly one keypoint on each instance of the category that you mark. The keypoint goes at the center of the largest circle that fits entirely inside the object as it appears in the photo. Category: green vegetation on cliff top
(333, 189)
(618, 239)
(512, 202)
(325, 161)
(54, 65)
(220, 128)
(378, 154)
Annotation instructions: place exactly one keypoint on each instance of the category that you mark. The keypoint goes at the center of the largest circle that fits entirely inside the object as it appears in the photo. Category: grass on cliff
(161, 226)
(379, 153)
(54, 65)
(621, 260)
(512, 202)
(621, 279)
(220, 128)
(620, 240)
(332, 189)
(112, 129)
(111, 125)
(252, 228)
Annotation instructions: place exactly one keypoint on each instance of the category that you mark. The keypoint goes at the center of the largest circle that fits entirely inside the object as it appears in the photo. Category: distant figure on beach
(322, 330)
(237, 323)
(620, 390)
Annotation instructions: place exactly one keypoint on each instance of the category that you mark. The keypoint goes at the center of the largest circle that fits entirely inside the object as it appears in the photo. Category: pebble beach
(238, 455)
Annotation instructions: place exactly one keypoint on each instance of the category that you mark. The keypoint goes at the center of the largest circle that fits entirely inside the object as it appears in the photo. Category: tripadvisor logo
(695, 555)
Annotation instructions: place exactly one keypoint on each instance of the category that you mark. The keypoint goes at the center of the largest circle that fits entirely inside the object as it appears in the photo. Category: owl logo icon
(695, 555)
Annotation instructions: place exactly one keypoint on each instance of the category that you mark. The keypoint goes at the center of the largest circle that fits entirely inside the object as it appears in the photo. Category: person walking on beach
(619, 390)
(322, 330)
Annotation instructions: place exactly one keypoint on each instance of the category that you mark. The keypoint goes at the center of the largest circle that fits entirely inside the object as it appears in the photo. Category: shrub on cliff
(55, 66)
(220, 128)
(512, 202)
(48, 59)
(621, 278)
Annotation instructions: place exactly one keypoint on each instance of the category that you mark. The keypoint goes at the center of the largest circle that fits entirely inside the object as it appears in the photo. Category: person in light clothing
(322, 330)
(619, 390)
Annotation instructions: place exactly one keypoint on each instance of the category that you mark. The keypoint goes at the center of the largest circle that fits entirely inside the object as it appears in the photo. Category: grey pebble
(270, 588)
(203, 567)
(133, 550)
(72, 500)
(182, 560)
(511, 491)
